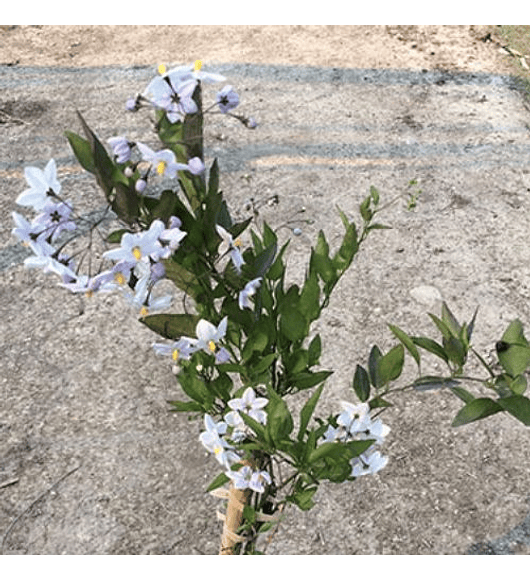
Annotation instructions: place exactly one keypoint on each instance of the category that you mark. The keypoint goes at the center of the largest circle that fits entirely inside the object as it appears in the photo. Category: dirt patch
(470, 48)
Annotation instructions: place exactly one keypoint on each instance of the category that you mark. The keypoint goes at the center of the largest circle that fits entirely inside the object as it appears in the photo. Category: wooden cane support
(237, 500)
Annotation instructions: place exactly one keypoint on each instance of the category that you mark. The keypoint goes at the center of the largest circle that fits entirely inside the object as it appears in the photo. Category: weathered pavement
(80, 392)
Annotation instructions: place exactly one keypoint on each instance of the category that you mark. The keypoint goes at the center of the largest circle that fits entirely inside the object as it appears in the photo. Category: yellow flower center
(136, 252)
(197, 65)
(89, 293)
(175, 355)
(162, 69)
(237, 242)
(218, 449)
(161, 167)
(119, 278)
(144, 311)
(211, 345)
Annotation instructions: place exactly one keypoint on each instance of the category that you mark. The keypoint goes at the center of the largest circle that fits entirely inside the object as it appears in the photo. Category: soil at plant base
(93, 463)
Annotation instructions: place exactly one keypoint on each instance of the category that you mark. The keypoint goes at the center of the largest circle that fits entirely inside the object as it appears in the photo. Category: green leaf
(476, 409)
(279, 420)
(378, 402)
(407, 342)
(303, 498)
(213, 179)
(308, 379)
(82, 151)
(309, 304)
(262, 434)
(365, 210)
(442, 326)
(514, 333)
(374, 194)
(349, 247)
(307, 411)
(455, 350)
(450, 320)
(514, 358)
(431, 346)
(518, 406)
(361, 383)
(171, 326)
(116, 236)
(219, 481)
(320, 262)
(264, 363)
(375, 355)
(518, 385)
(277, 269)
(103, 165)
(125, 202)
(264, 260)
(462, 394)
(186, 406)
(390, 365)
(293, 324)
(314, 350)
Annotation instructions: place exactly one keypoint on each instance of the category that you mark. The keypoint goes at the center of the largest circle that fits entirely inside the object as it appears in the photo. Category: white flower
(354, 418)
(246, 478)
(230, 246)
(208, 335)
(368, 464)
(250, 405)
(248, 291)
(43, 185)
(139, 246)
(164, 161)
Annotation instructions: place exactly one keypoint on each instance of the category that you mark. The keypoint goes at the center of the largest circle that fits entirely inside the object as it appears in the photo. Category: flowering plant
(244, 351)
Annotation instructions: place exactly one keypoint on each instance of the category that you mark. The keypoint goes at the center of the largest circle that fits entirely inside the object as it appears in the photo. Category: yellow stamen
(144, 311)
(237, 242)
(218, 449)
(197, 65)
(175, 355)
(161, 167)
(136, 252)
(89, 293)
(119, 278)
(211, 345)
(161, 69)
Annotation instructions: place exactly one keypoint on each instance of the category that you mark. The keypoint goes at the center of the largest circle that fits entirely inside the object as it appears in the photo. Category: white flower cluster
(218, 438)
(355, 423)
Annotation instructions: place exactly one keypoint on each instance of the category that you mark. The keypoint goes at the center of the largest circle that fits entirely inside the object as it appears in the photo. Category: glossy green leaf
(320, 262)
(308, 410)
(361, 383)
(186, 406)
(314, 350)
(219, 481)
(374, 356)
(407, 342)
(514, 358)
(293, 324)
(308, 379)
(518, 406)
(171, 326)
(476, 409)
(431, 346)
(390, 365)
(82, 151)
(279, 420)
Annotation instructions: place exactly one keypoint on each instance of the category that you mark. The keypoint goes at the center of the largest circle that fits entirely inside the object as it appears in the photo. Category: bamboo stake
(237, 500)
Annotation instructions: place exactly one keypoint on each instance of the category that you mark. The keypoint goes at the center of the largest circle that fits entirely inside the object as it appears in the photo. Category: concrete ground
(92, 462)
